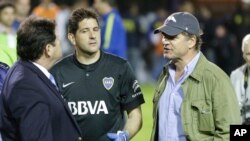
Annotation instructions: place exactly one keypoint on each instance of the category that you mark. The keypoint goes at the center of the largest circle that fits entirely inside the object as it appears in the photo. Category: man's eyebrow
(88, 28)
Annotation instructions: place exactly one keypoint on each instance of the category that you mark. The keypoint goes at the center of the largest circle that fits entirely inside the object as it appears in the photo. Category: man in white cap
(194, 99)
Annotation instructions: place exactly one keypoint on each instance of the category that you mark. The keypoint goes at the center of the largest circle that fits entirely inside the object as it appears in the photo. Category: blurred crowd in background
(224, 23)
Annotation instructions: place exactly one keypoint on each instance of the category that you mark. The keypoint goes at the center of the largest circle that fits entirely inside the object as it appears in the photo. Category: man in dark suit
(31, 107)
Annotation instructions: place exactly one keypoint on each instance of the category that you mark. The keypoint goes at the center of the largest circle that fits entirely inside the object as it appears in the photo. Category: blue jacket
(3, 71)
(113, 34)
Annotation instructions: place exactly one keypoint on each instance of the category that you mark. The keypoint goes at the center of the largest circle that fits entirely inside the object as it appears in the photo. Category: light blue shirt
(170, 125)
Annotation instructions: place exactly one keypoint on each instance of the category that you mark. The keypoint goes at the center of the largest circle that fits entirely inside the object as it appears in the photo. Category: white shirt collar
(44, 70)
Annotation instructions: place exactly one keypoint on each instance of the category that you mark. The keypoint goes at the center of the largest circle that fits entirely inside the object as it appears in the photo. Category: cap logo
(171, 18)
(108, 82)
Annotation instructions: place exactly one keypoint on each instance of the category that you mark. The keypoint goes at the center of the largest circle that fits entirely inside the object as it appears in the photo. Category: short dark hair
(78, 15)
(198, 39)
(4, 4)
(33, 36)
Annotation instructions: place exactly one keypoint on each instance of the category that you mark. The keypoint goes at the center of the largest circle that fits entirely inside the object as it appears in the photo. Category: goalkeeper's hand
(119, 136)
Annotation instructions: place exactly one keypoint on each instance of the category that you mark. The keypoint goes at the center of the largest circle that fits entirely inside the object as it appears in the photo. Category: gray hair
(245, 41)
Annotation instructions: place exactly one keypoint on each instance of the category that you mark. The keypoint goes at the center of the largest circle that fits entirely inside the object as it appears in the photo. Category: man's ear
(48, 50)
(71, 38)
(192, 42)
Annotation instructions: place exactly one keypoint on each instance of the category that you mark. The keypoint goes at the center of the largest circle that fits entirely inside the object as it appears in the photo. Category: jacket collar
(198, 70)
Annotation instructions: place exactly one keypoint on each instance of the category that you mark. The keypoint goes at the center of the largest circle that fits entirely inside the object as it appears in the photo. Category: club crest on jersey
(108, 82)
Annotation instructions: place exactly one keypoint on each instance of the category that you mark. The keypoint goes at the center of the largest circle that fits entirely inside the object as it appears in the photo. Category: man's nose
(92, 34)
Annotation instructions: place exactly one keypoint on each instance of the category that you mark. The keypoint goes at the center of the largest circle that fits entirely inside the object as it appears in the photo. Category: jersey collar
(89, 67)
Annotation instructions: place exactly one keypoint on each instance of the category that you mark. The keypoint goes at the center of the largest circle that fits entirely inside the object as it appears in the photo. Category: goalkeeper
(98, 87)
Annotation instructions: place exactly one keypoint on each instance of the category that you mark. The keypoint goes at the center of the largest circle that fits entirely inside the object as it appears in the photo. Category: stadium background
(228, 13)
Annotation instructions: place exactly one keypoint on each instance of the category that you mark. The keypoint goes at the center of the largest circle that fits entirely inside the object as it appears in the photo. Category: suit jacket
(32, 109)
